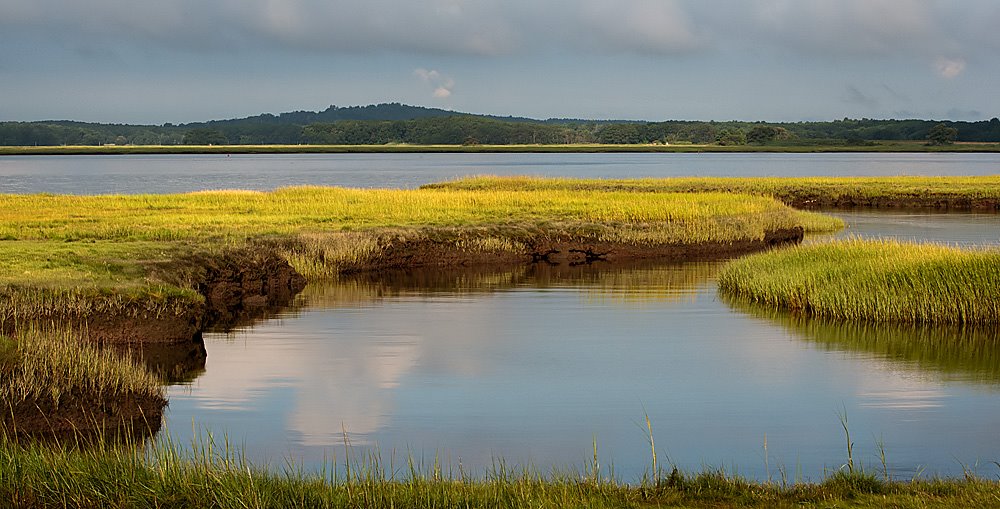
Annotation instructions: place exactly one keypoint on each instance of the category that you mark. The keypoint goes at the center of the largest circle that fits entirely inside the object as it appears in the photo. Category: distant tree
(731, 136)
(205, 136)
(942, 135)
(761, 134)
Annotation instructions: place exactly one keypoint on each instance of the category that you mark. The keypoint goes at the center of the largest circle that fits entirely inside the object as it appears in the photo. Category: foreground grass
(876, 280)
(47, 365)
(979, 192)
(879, 146)
(210, 475)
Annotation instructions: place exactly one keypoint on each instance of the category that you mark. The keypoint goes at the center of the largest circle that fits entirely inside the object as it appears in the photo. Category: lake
(536, 364)
(131, 174)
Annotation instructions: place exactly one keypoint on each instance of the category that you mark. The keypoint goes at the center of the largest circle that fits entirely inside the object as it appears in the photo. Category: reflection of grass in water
(611, 283)
(662, 284)
(967, 353)
(366, 289)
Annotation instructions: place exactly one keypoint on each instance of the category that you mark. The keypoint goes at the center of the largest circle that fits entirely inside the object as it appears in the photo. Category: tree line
(397, 123)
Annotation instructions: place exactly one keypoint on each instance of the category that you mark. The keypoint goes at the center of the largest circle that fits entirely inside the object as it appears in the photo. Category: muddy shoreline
(914, 203)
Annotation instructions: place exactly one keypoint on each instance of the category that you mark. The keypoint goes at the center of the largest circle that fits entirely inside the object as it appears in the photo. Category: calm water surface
(533, 364)
(130, 174)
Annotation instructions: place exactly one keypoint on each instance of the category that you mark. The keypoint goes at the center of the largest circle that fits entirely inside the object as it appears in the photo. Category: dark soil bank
(234, 285)
(85, 416)
(921, 202)
(557, 250)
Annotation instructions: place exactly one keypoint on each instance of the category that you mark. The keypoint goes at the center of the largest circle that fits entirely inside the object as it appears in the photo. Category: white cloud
(442, 85)
(949, 67)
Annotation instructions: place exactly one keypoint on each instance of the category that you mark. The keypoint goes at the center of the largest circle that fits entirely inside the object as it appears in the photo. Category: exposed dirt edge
(85, 417)
(955, 203)
(233, 284)
(423, 252)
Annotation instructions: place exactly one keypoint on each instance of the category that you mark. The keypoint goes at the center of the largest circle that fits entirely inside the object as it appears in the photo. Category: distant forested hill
(399, 123)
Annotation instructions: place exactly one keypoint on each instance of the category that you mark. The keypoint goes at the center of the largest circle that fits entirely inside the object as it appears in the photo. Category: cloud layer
(560, 50)
(494, 27)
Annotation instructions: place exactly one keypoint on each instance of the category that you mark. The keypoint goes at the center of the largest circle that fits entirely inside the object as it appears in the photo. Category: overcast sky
(156, 61)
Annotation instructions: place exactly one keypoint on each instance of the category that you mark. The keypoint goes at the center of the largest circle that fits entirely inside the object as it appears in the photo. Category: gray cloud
(853, 95)
(961, 114)
(896, 94)
(932, 29)
(436, 27)
(755, 59)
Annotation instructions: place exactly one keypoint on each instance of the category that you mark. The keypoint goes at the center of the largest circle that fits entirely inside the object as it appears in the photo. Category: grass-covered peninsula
(873, 280)
(947, 193)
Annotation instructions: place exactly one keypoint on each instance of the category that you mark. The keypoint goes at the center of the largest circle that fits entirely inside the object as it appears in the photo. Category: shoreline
(877, 147)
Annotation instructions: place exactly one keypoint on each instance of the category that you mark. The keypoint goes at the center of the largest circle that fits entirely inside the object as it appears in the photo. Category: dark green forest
(399, 123)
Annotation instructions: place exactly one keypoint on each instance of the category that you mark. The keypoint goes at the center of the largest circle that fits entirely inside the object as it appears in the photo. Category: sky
(157, 61)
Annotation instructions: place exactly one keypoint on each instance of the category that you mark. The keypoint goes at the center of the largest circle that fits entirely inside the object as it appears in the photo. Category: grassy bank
(214, 475)
(881, 146)
(980, 192)
(876, 280)
(52, 381)
(115, 241)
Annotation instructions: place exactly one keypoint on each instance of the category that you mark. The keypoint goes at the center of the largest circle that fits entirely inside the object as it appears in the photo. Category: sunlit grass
(113, 240)
(242, 214)
(879, 280)
(953, 192)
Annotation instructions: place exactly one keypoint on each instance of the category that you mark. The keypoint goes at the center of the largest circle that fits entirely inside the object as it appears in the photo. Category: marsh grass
(238, 215)
(906, 191)
(116, 240)
(875, 280)
(45, 366)
(212, 472)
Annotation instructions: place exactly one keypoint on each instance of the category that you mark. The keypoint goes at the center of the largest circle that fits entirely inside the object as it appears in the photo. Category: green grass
(242, 214)
(46, 280)
(209, 474)
(900, 191)
(45, 367)
(798, 147)
(875, 280)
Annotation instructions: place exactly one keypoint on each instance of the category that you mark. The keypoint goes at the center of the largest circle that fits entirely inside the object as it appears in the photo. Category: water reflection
(965, 229)
(601, 282)
(335, 366)
(953, 353)
(531, 363)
